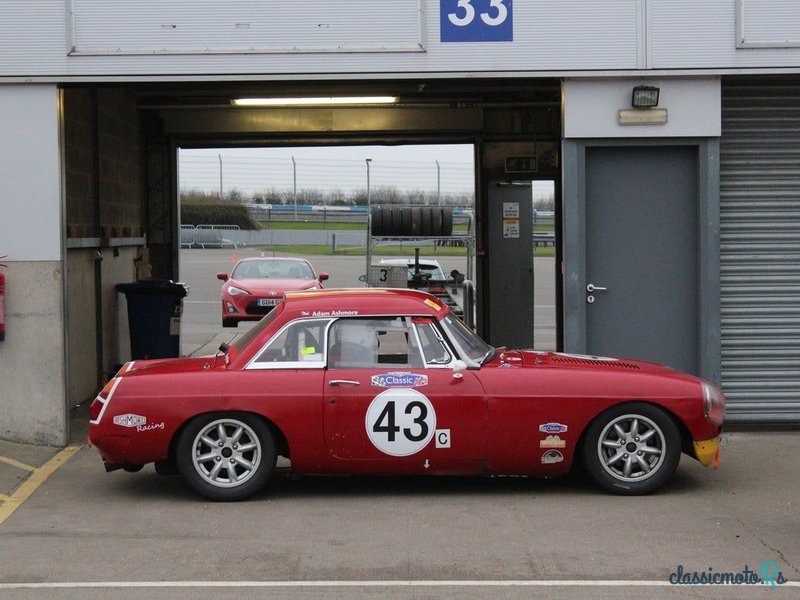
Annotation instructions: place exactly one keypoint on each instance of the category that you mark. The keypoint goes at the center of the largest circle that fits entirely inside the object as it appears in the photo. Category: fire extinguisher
(2, 303)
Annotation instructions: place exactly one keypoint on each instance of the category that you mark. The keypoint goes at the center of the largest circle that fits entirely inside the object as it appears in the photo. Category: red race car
(256, 285)
(378, 381)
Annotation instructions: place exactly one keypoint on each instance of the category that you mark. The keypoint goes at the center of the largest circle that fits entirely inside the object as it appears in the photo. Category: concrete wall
(104, 223)
(32, 369)
(591, 108)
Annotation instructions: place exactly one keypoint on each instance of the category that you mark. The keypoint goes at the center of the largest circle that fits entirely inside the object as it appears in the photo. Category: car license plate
(267, 301)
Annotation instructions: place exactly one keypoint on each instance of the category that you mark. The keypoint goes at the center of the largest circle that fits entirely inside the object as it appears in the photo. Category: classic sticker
(129, 420)
(400, 421)
(551, 457)
(552, 441)
(553, 428)
(399, 380)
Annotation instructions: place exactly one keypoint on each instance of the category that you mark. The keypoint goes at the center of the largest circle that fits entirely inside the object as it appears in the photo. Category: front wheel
(226, 457)
(632, 449)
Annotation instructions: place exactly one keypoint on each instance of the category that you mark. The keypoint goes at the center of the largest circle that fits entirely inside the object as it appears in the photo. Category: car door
(392, 399)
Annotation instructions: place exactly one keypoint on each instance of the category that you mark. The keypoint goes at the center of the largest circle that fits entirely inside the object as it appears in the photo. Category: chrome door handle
(595, 288)
(336, 382)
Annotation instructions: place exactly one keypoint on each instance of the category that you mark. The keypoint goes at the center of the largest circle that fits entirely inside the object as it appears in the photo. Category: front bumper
(707, 451)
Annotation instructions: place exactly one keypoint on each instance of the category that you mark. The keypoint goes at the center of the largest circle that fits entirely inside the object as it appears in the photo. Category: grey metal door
(642, 246)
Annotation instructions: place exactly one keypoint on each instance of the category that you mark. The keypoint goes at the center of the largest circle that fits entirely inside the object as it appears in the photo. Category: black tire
(377, 220)
(405, 221)
(416, 221)
(606, 464)
(387, 221)
(230, 323)
(436, 221)
(397, 222)
(447, 221)
(237, 482)
(427, 221)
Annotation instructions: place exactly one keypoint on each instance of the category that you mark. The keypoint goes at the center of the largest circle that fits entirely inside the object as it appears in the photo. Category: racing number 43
(400, 421)
(386, 422)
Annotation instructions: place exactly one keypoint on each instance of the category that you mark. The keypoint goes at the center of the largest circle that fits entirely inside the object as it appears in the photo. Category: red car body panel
(496, 417)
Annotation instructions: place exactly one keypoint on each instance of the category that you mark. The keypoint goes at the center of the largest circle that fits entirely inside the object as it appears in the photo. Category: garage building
(684, 207)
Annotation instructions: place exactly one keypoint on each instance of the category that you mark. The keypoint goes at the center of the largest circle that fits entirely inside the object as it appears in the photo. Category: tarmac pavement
(144, 534)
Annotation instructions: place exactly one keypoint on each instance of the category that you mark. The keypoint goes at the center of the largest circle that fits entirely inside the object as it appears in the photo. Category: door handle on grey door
(595, 288)
(337, 382)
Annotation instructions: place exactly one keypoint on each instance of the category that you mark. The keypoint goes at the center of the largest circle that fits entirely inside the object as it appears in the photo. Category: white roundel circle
(400, 421)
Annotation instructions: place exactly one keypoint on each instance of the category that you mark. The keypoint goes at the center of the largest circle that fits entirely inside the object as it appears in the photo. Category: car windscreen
(248, 337)
(273, 269)
(435, 272)
(474, 347)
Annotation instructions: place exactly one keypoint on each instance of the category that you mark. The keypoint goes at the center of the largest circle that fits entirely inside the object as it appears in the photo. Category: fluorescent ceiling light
(314, 101)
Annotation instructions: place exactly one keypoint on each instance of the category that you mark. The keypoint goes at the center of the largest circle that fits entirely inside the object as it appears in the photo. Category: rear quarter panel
(290, 399)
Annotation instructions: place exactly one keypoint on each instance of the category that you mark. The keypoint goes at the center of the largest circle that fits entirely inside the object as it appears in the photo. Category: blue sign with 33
(476, 21)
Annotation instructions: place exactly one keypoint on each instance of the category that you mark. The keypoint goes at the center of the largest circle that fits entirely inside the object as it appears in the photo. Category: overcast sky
(330, 168)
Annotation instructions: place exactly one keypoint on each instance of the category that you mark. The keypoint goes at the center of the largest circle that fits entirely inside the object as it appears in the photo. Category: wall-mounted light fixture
(644, 96)
(335, 100)
(644, 101)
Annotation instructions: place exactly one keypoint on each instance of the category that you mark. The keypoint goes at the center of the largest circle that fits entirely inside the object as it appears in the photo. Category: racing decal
(553, 428)
(400, 421)
(442, 437)
(150, 426)
(330, 313)
(552, 441)
(399, 379)
(433, 304)
(129, 420)
(551, 457)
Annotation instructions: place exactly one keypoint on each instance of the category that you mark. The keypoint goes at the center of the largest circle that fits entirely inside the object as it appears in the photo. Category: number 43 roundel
(400, 421)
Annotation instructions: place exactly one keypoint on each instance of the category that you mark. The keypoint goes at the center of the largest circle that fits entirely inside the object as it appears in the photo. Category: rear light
(95, 409)
(713, 404)
(98, 406)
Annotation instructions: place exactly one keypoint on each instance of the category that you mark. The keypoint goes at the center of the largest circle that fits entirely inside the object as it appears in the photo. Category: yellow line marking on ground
(37, 478)
(4, 498)
(16, 463)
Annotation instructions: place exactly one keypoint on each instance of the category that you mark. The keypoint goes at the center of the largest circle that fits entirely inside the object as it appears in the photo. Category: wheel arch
(281, 443)
(686, 436)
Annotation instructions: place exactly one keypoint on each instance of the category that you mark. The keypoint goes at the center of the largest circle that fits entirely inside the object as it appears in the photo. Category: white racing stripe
(367, 584)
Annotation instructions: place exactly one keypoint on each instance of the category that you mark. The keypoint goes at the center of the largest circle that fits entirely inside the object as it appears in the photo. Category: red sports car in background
(256, 285)
(379, 381)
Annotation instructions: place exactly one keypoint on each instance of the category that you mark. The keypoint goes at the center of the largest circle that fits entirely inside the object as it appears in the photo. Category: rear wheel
(226, 457)
(632, 449)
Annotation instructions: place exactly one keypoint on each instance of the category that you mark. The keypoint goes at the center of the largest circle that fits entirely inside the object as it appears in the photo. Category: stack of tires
(412, 221)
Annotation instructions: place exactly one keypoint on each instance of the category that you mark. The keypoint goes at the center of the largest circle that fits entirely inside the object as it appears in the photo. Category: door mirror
(222, 276)
(458, 369)
(323, 277)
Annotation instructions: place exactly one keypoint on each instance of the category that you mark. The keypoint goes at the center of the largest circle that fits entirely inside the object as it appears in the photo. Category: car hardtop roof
(354, 302)
(280, 258)
(409, 261)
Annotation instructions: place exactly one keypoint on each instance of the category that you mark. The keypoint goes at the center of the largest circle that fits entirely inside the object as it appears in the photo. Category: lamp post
(220, 175)
(438, 185)
(369, 221)
(369, 198)
(294, 177)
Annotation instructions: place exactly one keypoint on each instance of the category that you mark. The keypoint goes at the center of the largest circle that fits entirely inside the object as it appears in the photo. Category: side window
(373, 343)
(433, 348)
(300, 342)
